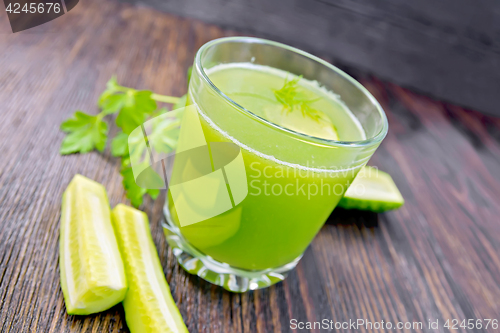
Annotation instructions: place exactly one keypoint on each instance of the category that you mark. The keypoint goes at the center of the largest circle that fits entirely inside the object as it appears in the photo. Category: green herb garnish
(292, 97)
(85, 133)
(133, 107)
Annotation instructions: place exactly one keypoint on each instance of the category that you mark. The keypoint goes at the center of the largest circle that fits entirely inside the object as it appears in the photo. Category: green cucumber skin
(370, 205)
(377, 206)
(70, 310)
(134, 304)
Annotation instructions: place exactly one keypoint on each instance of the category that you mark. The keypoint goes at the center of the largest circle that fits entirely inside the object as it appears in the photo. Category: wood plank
(436, 258)
(450, 50)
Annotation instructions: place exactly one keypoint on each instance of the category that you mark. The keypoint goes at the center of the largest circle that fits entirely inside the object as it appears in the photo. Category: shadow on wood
(359, 218)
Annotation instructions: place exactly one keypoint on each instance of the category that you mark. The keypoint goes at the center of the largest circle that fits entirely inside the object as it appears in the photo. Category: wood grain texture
(436, 258)
(450, 49)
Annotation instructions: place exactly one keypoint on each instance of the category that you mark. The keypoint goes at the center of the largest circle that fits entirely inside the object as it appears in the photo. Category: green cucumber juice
(287, 202)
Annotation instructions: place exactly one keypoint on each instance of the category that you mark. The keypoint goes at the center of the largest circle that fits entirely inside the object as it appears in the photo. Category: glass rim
(377, 138)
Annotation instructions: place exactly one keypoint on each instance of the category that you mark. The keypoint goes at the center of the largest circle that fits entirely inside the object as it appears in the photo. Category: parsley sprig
(86, 132)
(293, 98)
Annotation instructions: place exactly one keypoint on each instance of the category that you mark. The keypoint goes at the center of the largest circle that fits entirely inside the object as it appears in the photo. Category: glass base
(219, 273)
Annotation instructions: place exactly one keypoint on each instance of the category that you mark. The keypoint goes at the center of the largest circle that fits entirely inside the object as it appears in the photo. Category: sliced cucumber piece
(149, 306)
(372, 190)
(92, 274)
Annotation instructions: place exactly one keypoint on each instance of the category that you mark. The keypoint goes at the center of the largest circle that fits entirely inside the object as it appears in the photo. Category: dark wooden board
(449, 49)
(436, 258)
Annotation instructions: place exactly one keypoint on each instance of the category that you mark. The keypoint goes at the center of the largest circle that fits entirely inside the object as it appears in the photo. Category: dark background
(448, 49)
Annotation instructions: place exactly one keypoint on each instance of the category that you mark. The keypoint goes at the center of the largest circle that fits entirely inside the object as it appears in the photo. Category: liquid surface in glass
(286, 203)
(254, 87)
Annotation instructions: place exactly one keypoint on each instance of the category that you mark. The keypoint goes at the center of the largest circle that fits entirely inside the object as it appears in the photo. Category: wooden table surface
(436, 258)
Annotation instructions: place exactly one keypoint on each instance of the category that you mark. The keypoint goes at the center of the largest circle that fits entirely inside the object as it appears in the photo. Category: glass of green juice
(269, 142)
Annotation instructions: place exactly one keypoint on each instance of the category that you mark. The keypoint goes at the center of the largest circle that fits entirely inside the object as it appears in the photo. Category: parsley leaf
(165, 132)
(107, 101)
(119, 145)
(133, 192)
(112, 103)
(85, 133)
(137, 106)
(189, 72)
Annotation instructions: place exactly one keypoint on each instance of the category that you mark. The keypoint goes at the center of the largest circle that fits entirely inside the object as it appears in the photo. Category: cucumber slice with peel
(372, 190)
(149, 306)
(92, 274)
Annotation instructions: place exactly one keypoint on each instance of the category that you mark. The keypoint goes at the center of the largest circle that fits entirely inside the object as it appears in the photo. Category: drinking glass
(247, 196)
